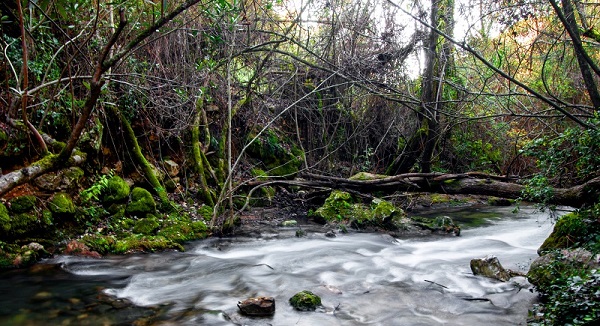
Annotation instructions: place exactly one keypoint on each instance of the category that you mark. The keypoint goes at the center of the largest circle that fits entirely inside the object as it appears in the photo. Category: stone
(259, 306)
(305, 301)
(141, 203)
(61, 180)
(76, 248)
(289, 223)
(544, 269)
(61, 204)
(330, 234)
(22, 204)
(4, 218)
(490, 267)
(147, 225)
(171, 167)
(116, 190)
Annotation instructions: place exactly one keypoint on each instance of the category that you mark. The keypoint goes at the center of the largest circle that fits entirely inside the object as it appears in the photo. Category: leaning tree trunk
(139, 158)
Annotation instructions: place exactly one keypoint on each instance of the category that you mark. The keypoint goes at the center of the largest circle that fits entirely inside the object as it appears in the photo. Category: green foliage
(570, 157)
(96, 189)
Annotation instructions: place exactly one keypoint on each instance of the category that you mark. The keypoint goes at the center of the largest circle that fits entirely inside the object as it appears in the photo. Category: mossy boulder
(337, 206)
(141, 203)
(340, 206)
(116, 190)
(305, 301)
(61, 204)
(22, 204)
(24, 224)
(561, 264)
(147, 225)
(143, 243)
(569, 230)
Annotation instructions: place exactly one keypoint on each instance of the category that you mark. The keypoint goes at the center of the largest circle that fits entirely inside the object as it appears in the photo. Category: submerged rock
(490, 266)
(259, 306)
(305, 301)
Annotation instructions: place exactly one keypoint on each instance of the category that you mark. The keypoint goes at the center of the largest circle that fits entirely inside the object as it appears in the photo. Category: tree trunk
(139, 159)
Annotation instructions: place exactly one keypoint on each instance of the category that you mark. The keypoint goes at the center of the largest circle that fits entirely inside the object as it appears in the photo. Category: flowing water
(362, 278)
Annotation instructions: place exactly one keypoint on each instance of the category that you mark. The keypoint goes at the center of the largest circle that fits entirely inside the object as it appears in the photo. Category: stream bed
(362, 278)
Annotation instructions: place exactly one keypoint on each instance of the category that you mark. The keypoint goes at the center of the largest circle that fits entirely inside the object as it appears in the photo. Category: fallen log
(453, 184)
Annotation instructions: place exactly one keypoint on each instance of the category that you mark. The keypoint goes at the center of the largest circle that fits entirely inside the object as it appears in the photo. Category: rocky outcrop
(546, 268)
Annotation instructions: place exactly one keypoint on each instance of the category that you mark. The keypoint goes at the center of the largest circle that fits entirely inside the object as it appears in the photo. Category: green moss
(305, 301)
(363, 176)
(103, 244)
(337, 206)
(116, 190)
(61, 204)
(22, 204)
(143, 243)
(206, 212)
(141, 203)
(4, 218)
(23, 224)
(568, 231)
(182, 229)
(146, 225)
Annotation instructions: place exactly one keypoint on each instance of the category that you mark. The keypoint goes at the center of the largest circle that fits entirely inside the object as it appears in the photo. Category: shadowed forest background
(211, 106)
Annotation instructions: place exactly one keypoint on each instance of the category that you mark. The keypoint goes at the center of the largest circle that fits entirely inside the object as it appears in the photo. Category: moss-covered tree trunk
(201, 165)
(140, 159)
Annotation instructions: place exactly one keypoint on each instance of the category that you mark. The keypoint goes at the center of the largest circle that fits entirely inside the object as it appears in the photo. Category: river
(362, 278)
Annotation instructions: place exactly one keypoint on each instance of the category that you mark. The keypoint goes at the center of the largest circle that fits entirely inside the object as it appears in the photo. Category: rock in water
(305, 301)
(490, 267)
(259, 306)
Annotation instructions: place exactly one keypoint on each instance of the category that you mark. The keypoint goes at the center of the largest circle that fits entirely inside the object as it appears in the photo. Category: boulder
(259, 306)
(116, 190)
(546, 268)
(142, 202)
(61, 204)
(22, 204)
(490, 266)
(305, 301)
(171, 168)
(62, 180)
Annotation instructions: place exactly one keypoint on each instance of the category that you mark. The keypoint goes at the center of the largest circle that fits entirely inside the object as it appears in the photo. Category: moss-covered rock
(569, 230)
(137, 243)
(13, 256)
(305, 301)
(206, 212)
(22, 204)
(147, 225)
(336, 207)
(24, 224)
(141, 203)
(560, 265)
(340, 207)
(61, 204)
(116, 190)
